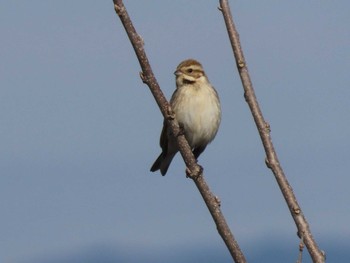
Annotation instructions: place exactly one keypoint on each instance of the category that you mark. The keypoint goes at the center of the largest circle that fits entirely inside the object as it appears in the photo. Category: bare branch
(194, 171)
(264, 130)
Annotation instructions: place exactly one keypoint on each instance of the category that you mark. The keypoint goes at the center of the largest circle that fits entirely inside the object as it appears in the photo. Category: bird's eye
(189, 70)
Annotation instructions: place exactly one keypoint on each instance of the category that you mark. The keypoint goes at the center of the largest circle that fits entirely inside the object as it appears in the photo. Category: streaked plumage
(197, 109)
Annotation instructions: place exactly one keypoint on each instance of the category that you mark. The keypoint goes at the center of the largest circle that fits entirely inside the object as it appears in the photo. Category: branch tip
(220, 8)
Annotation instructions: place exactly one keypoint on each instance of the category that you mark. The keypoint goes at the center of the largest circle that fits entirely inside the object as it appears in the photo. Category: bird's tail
(162, 163)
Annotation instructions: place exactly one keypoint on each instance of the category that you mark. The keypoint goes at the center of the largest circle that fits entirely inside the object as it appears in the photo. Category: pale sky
(79, 131)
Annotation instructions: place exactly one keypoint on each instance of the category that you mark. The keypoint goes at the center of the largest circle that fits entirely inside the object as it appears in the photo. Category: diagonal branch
(194, 171)
(263, 127)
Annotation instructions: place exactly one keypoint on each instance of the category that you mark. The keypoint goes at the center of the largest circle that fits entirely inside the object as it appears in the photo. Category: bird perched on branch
(196, 105)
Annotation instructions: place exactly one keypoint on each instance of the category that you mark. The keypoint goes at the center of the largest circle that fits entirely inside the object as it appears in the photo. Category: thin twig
(264, 130)
(301, 248)
(194, 171)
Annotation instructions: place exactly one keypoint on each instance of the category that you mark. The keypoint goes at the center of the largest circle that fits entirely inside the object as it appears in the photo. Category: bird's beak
(178, 72)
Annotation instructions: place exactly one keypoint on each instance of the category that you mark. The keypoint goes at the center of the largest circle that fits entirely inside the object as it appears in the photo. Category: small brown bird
(196, 105)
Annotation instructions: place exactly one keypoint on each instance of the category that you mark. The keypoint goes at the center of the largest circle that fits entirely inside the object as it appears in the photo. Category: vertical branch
(194, 171)
(263, 127)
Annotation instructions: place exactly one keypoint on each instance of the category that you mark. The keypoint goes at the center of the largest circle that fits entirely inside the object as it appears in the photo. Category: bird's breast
(198, 111)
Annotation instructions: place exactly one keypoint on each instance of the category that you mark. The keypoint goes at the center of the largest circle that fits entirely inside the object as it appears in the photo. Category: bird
(197, 109)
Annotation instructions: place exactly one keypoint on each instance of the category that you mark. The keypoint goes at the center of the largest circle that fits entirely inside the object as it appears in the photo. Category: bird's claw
(196, 173)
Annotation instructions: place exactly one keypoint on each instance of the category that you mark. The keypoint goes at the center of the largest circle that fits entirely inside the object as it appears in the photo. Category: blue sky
(79, 130)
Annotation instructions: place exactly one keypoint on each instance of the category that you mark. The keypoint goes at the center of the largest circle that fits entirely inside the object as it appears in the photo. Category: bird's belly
(200, 120)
